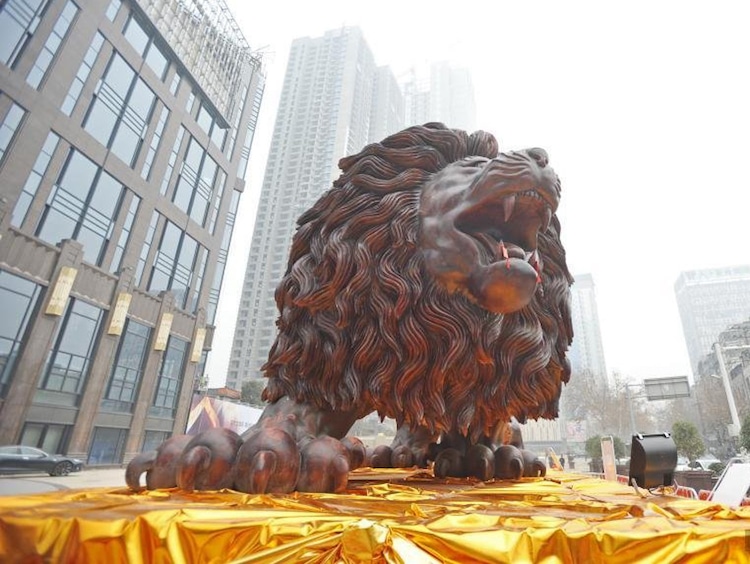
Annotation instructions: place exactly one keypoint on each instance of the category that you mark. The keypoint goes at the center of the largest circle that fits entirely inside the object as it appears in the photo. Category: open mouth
(509, 224)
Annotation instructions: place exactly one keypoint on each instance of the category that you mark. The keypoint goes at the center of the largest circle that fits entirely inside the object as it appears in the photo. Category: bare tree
(606, 407)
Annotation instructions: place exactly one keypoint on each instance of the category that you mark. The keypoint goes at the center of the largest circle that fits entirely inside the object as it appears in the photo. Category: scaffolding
(209, 43)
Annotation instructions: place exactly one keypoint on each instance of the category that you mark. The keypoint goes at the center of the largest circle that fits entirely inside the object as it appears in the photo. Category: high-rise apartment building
(586, 352)
(333, 100)
(709, 302)
(441, 93)
(125, 130)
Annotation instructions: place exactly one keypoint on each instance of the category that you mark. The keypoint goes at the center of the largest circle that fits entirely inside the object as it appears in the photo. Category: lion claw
(267, 462)
(325, 466)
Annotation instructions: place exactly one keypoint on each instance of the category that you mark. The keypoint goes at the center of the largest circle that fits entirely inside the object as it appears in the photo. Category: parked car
(682, 463)
(20, 458)
(703, 463)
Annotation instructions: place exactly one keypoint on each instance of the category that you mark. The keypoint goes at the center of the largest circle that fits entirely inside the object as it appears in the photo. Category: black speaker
(653, 459)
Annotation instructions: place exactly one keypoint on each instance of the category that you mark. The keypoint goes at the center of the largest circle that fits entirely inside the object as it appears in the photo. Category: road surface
(20, 484)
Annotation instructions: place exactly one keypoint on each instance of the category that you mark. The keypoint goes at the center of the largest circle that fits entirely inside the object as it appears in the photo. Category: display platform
(385, 516)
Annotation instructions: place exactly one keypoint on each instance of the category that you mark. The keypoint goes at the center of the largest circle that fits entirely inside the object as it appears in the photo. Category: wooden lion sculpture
(428, 284)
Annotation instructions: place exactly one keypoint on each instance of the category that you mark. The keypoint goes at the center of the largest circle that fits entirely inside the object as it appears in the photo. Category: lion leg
(296, 446)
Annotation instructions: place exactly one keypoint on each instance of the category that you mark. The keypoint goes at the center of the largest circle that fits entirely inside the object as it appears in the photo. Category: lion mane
(364, 327)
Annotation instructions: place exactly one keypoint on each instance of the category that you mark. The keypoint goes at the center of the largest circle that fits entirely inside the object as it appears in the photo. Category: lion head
(429, 284)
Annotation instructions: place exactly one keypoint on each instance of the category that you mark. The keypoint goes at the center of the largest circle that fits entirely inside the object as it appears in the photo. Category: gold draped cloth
(385, 517)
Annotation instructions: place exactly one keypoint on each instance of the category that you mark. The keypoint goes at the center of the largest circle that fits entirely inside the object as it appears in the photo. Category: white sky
(642, 106)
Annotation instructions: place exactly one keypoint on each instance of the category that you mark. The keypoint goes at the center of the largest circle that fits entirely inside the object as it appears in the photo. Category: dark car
(19, 458)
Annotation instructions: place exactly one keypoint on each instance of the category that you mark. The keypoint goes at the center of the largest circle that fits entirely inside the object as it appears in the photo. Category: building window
(9, 128)
(19, 298)
(107, 446)
(221, 259)
(249, 134)
(70, 357)
(152, 439)
(175, 85)
(34, 180)
(127, 226)
(235, 129)
(119, 114)
(51, 438)
(128, 368)
(143, 43)
(154, 146)
(168, 388)
(210, 125)
(83, 73)
(220, 184)
(190, 103)
(82, 205)
(172, 160)
(19, 20)
(174, 264)
(195, 295)
(146, 248)
(112, 9)
(52, 45)
(194, 188)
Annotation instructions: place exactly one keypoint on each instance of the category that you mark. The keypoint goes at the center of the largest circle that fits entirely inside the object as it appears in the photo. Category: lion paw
(479, 461)
(271, 461)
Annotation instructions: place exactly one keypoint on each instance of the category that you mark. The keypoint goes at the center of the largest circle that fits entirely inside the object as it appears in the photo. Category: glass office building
(125, 131)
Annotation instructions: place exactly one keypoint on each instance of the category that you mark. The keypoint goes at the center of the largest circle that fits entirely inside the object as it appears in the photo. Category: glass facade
(83, 206)
(174, 264)
(172, 160)
(146, 248)
(221, 261)
(152, 439)
(107, 446)
(124, 238)
(9, 127)
(35, 178)
(107, 174)
(83, 73)
(168, 387)
(121, 110)
(143, 42)
(51, 46)
(70, 357)
(49, 437)
(18, 297)
(127, 371)
(18, 20)
(113, 9)
(194, 188)
(154, 146)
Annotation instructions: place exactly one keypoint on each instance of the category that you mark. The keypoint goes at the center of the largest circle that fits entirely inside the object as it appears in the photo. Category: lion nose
(539, 155)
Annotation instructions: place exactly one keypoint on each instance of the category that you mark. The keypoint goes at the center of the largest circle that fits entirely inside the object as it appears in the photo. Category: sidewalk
(21, 484)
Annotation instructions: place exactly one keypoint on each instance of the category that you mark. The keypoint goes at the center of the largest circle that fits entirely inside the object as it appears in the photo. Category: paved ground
(19, 484)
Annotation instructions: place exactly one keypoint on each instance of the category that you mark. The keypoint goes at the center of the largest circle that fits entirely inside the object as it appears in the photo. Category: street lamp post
(734, 428)
(630, 405)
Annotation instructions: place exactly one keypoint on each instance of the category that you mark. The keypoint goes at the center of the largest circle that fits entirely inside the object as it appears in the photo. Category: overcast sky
(642, 106)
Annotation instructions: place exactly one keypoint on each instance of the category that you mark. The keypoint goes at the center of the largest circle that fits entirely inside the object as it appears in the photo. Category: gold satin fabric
(385, 517)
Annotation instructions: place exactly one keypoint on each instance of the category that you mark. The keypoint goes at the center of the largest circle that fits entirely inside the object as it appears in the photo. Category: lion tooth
(546, 218)
(509, 203)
